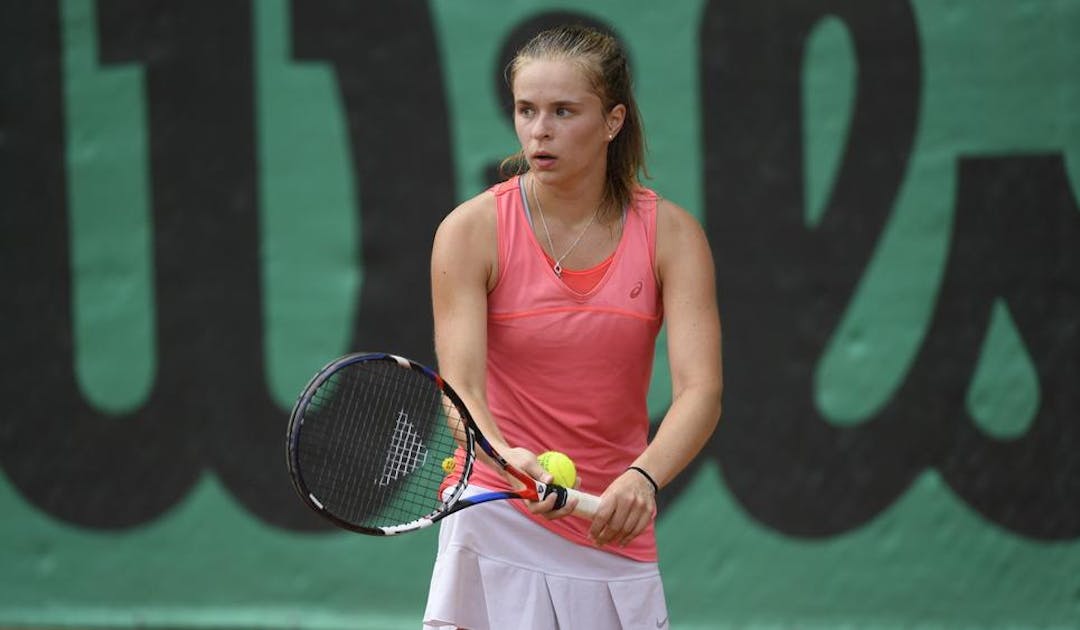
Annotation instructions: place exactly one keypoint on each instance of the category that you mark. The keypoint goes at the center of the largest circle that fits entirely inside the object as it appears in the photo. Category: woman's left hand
(626, 509)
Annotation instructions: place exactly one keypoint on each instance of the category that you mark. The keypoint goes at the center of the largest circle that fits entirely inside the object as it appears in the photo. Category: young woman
(548, 292)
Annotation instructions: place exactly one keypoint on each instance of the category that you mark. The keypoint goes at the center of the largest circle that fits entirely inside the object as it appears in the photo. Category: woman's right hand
(525, 461)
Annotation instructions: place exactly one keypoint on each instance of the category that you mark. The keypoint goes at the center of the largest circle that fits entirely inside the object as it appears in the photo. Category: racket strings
(364, 400)
(352, 499)
(375, 443)
(327, 443)
(406, 453)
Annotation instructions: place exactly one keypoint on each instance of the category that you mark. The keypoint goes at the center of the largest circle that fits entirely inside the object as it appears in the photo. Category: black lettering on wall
(65, 457)
(1017, 238)
(390, 77)
(201, 111)
(209, 407)
(783, 288)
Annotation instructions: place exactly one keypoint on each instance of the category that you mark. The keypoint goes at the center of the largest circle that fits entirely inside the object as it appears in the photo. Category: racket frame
(534, 490)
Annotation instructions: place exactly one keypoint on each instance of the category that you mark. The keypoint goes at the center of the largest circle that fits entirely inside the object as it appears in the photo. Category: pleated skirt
(496, 570)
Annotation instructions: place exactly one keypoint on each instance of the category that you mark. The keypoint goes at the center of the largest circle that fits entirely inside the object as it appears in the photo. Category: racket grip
(587, 504)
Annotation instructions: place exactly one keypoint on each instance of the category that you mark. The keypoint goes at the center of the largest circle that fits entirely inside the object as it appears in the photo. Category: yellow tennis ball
(560, 466)
(448, 465)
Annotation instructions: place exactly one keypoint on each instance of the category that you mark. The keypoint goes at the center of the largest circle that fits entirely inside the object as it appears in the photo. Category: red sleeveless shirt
(569, 371)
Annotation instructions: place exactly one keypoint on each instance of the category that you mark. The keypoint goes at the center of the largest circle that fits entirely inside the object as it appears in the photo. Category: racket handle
(587, 504)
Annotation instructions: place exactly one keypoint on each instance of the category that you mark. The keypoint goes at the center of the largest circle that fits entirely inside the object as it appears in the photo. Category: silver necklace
(557, 267)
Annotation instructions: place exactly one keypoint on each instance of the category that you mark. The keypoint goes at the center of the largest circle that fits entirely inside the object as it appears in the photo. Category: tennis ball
(560, 466)
(448, 465)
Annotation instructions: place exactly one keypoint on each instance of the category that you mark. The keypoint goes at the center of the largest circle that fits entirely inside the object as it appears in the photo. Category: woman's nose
(542, 126)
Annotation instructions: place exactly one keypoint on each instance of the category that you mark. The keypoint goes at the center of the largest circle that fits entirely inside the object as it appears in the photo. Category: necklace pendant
(557, 267)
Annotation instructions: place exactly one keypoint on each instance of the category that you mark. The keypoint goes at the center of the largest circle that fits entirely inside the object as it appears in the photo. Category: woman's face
(561, 123)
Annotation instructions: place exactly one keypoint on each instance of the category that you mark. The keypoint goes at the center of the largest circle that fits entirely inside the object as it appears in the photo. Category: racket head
(370, 440)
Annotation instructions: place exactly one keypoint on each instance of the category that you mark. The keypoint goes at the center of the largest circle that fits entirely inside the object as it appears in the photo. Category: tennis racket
(381, 445)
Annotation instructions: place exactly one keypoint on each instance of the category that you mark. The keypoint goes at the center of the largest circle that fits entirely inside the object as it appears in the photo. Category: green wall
(895, 220)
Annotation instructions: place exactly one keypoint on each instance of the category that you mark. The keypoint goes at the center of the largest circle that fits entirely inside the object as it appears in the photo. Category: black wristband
(655, 488)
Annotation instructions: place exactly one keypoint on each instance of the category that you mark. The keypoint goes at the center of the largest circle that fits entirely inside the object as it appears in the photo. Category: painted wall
(200, 203)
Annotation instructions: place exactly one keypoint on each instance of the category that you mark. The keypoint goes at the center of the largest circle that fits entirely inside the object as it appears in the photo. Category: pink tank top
(570, 371)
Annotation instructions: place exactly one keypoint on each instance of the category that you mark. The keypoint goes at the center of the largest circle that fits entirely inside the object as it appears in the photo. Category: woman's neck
(568, 204)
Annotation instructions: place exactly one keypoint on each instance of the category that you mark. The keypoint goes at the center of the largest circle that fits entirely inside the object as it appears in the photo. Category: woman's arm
(687, 276)
(464, 260)
(464, 268)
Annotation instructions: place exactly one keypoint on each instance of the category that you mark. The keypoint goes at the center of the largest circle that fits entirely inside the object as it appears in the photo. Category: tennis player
(549, 290)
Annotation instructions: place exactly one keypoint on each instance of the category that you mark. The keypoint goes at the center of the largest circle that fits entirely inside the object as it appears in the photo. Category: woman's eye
(525, 111)
(562, 111)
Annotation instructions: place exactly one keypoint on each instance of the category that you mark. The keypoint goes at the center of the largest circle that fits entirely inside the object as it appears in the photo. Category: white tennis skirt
(496, 570)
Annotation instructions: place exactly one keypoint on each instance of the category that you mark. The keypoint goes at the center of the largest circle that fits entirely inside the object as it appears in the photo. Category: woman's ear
(614, 120)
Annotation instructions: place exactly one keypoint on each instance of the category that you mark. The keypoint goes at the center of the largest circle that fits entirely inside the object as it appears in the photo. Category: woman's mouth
(543, 160)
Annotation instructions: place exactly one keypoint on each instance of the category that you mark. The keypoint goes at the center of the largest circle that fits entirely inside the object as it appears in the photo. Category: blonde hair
(603, 63)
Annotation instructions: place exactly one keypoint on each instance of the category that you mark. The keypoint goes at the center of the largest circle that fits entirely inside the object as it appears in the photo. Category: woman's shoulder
(676, 227)
(480, 211)
(471, 228)
(507, 186)
(475, 213)
(669, 215)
